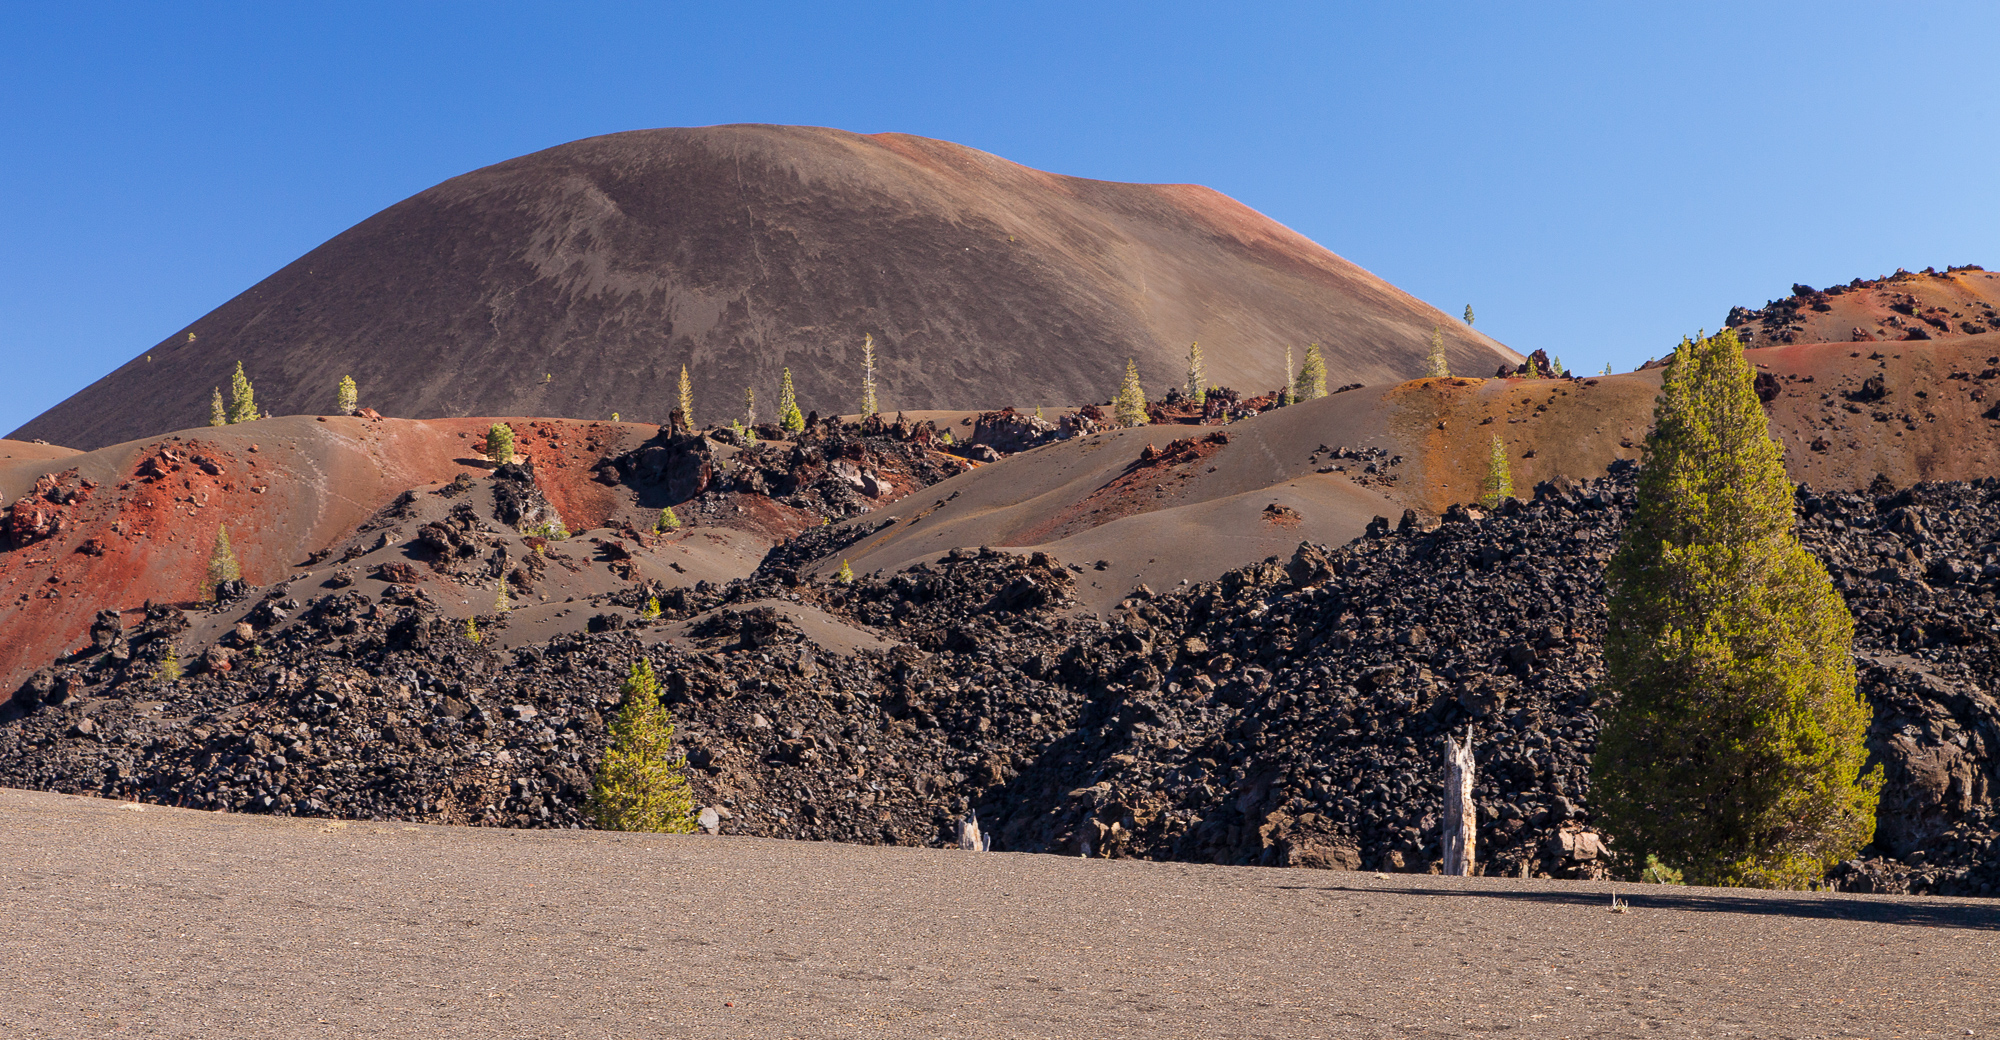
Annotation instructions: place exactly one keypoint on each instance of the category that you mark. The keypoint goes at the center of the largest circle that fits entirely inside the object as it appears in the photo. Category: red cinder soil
(1928, 305)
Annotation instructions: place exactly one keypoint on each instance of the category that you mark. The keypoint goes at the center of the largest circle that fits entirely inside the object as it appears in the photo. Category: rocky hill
(579, 280)
(1932, 304)
(1287, 714)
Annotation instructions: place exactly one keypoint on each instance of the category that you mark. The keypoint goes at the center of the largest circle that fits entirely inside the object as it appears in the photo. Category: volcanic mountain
(578, 281)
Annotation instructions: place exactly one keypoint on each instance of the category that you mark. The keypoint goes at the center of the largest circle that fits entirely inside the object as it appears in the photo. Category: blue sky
(1596, 180)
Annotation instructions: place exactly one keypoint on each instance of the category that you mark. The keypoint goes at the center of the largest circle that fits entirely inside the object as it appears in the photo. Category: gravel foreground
(164, 922)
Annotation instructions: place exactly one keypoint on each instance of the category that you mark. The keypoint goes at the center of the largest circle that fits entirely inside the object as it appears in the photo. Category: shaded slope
(578, 280)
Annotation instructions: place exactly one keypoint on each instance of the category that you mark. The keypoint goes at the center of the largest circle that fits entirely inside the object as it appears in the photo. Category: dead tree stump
(1461, 817)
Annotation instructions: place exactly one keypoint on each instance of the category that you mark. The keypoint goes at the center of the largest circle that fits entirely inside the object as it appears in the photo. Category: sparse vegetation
(1499, 485)
(1657, 873)
(242, 397)
(687, 398)
(790, 419)
(222, 564)
(641, 783)
(868, 404)
(500, 443)
(749, 407)
(553, 530)
(1735, 751)
(346, 397)
(1288, 397)
(1440, 366)
(1197, 378)
(1556, 368)
(217, 415)
(667, 521)
(503, 599)
(1468, 314)
(846, 575)
(1311, 383)
(652, 609)
(1129, 407)
(471, 630)
(170, 665)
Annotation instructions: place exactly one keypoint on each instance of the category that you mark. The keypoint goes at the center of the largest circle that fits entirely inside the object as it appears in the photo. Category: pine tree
(170, 665)
(217, 416)
(1286, 397)
(1735, 751)
(667, 521)
(1440, 366)
(846, 575)
(1468, 314)
(868, 406)
(471, 631)
(652, 609)
(1499, 477)
(1311, 383)
(242, 397)
(641, 783)
(687, 399)
(1129, 407)
(1607, 368)
(1556, 368)
(347, 397)
(503, 599)
(790, 418)
(1197, 379)
(500, 443)
(222, 565)
(749, 407)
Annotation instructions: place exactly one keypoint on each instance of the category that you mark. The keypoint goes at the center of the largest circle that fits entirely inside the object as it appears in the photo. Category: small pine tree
(687, 398)
(503, 599)
(868, 406)
(641, 783)
(749, 407)
(1129, 407)
(790, 419)
(1607, 368)
(1468, 314)
(1440, 366)
(1735, 751)
(1499, 477)
(846, 575)
(217, 415)
(347, 397)
(1311, 383)
(471, 631)
(500, 443)
(242, 397)
(1197, 378)
(1556, 368)
(1287, 397)
(651, 611)
(667, 521)
(170, 666)
(222, 564)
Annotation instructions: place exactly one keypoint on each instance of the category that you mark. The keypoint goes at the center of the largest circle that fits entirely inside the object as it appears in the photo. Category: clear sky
(1595, 179)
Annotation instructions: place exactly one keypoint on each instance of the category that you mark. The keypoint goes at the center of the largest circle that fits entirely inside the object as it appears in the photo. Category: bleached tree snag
(968, 834)
(1461, 822)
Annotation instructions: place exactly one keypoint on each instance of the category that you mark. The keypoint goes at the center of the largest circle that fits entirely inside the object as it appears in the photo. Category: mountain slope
(577, 281)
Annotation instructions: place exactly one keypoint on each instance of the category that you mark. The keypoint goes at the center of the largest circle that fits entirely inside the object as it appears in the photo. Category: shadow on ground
(1941, 913)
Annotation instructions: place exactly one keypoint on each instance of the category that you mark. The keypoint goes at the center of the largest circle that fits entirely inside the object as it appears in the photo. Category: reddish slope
(579, 280)
(1959, 301)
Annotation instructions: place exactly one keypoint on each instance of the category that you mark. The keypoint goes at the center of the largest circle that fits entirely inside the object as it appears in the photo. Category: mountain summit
(577, 281)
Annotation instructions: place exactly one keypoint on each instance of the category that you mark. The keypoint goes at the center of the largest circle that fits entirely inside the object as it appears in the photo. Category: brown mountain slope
(577, 281)
(1935, 415)
(1931, 304)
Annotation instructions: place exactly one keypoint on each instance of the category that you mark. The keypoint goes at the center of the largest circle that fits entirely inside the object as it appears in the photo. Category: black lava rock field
(1289, 714)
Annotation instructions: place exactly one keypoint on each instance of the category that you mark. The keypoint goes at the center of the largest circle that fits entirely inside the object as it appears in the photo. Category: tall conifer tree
(1129, 407)
(868, 403)
(687, 398)
(1197, 378)
(1735, 748)
(1440, 366)
(1311, 383)
(789, 416)
(242, 397)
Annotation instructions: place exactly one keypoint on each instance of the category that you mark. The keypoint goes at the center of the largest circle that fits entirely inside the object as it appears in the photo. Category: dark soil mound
(578, 280)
